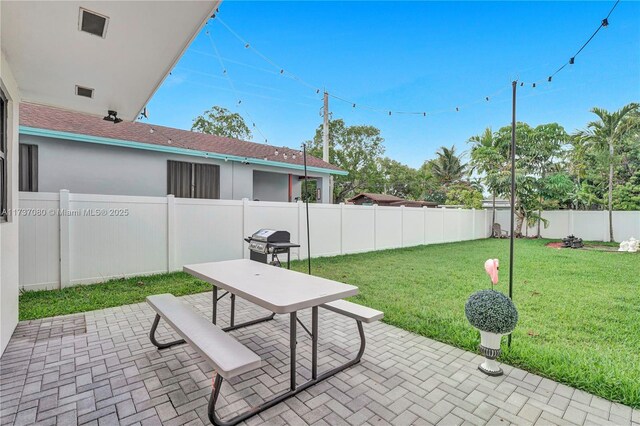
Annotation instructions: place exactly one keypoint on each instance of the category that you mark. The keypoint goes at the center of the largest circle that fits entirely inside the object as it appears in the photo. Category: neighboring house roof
(58, 123)
(414, 203)
(379, 198)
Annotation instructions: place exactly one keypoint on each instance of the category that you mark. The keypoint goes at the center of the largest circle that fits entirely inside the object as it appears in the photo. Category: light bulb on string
(572, 61)
(276, 153)
(169, 141)
(549, 79)
(151, 130)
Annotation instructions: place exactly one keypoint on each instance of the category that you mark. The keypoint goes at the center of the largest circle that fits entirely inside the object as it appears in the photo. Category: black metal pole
(514, 85)
(306, 201)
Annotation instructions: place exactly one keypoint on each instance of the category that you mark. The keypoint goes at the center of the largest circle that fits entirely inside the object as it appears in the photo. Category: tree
(447, 167)
(542, 154)
(489, 158)
(461, 194)
(356, 149)
(400, 180)
(222, 122)
(607, 133)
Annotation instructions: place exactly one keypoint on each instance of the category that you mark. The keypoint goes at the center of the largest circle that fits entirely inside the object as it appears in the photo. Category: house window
(193, 180)
(3, 157)
(28, 168)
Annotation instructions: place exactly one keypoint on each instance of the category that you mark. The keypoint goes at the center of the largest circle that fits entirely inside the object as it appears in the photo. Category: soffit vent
(84, 91)
(93, 23)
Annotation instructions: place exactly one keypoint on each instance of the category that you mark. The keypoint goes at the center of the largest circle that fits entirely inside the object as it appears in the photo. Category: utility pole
(325, 128)
(325, 142)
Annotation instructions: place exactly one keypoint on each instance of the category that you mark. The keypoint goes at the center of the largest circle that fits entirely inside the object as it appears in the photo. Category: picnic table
(278, 290)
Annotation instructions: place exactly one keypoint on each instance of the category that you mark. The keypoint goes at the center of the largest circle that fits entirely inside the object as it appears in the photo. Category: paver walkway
(99, 368)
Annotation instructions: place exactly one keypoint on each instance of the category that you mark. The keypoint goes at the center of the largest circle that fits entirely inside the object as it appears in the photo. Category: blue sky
(415, 56)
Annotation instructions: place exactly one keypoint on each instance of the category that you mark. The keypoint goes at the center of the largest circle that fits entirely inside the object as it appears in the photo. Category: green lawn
(579, 310)
(83, 298)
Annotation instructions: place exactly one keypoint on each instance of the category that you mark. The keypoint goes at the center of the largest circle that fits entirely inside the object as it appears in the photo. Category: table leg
(292, 345)
(214, 309)
(314, 342)
(233, 309)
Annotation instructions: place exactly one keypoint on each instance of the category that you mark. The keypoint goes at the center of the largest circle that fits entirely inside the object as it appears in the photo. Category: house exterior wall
(91, 168)
(9, 243)
(270, 186)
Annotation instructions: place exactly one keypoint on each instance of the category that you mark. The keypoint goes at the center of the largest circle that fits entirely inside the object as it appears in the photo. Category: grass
(579, 310)
(83, 298)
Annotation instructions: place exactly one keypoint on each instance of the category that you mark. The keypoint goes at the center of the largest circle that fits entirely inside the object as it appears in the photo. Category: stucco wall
(90, 168)
(9, 230)
(270, 186)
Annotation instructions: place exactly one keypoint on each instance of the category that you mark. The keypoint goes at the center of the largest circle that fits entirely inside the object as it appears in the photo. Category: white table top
(276, 289)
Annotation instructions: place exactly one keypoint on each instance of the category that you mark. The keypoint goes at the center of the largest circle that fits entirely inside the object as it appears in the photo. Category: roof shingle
(45, 117)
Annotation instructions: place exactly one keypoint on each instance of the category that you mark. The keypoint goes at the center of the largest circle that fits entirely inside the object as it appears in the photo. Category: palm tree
(486, 159)
(607, 132)
(447, 168)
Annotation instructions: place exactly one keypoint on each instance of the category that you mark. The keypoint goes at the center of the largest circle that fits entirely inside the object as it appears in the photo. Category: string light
(231, 84)
(572, 60)
(283, 71)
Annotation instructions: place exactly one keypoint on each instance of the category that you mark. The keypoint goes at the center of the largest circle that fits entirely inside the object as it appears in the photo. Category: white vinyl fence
(68, 239)
(588, 225)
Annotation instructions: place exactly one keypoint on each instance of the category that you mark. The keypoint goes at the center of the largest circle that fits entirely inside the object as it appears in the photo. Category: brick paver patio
(99, 368)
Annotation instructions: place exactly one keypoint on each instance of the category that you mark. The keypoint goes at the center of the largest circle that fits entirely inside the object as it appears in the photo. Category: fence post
(171, 233)
(64, 216)
(402, 211)
(486, 219)
(245, 220)
(424, 225)
(375, 227)
(341, 228)
(571, 230)
(473, 224)
(605, 225)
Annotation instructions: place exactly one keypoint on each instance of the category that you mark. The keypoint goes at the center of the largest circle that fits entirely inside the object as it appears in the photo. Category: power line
(233, 87)
(283, 71)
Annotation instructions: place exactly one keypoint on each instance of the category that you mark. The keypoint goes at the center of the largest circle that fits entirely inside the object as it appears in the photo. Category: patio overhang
(142, 41)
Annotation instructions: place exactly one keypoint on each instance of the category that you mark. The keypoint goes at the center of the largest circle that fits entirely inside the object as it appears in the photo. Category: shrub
(491, 311)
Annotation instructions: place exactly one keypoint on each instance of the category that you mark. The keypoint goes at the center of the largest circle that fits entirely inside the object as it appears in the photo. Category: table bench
(229, 357)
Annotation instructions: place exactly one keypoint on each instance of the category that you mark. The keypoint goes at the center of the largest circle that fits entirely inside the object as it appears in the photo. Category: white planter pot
(490, 348)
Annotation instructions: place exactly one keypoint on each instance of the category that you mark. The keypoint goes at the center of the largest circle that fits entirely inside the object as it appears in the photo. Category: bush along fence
(68, 239)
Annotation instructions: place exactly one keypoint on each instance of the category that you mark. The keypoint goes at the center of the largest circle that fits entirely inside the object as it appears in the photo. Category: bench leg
(152, 336)
(215, 392)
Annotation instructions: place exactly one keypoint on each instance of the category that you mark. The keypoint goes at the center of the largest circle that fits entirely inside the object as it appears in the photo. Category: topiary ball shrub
(491, 311)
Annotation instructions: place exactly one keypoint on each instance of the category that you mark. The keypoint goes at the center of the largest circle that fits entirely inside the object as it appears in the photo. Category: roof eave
(78, 137)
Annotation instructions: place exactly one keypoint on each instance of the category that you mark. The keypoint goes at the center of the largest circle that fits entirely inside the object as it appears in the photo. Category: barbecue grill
(265, 242)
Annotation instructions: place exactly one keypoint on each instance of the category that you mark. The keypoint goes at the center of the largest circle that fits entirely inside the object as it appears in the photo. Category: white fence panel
(388, 227)
(465, 225)
(625, 225)
(434, 225)
(206, 231)
(39, 241)
(358, 226)
(86, 238)
(104, 242)
(413, 226)
(325, 228)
